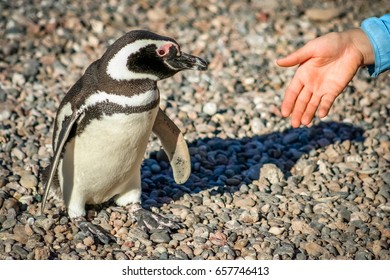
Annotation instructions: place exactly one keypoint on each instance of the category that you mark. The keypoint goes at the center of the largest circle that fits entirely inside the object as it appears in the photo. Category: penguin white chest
(104, 159)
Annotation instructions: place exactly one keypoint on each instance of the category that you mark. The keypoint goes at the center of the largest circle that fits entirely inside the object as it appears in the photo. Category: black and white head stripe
(117, 67)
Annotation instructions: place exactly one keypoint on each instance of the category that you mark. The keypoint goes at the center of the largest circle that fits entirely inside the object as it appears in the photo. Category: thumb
(297, 57)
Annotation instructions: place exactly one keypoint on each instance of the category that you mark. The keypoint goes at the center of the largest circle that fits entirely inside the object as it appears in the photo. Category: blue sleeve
(378, 31)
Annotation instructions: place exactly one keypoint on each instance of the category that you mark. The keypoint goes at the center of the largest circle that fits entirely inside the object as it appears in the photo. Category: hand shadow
(229, 163)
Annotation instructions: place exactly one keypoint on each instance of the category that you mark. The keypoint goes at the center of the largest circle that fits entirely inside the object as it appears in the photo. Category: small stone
(240, 244)
(271, 173)
(333, 186)
(202, 232)
(187, 250)
(244, 202)
(249, 217)
(80, 59)
(3, 94)
(323, 14)
(333, 155)
(363, 255)
(257, 127)
(314, 249)
(233, 182)
(41, 253)
(265, 208)
(9, 223)
(18, 79)
(28, 230)
(198, 251)
(49, 238)
(210, 108)
(60, 229)
(179, 236)
(20, 234)
(18, 153)
(29, 181)
(45, 223)
(218, 238)
(290, 138)
(285, 249)
(20, 251)
(345, 215)
(88, 241)
(302, 226)
(180, 255)
(276, 230)
(155, 168)
(64, 220)
(301, 256)
(386, 177)
(160, 237)
(31, 68)
(276, 189)
(120, 256)
(156, 14)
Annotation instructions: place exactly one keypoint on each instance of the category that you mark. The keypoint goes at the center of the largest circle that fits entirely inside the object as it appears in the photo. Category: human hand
(326, 65)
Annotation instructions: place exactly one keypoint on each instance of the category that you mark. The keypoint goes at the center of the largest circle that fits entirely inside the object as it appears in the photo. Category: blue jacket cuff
(378, 32)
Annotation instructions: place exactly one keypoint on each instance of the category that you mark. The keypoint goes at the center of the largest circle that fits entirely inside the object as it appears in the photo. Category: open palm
(326, 66)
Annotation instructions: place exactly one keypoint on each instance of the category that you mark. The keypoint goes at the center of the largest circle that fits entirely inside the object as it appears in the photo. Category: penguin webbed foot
(95, 230)
(149, 221)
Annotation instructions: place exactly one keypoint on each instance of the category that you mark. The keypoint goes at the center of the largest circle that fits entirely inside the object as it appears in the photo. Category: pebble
(323, 14)
(41, 253)
(271, 173)
(276, 230)
(160, 237)
(314, 249)
(244, 202)
(9, 223)
(210, 108)
(29, 181)
(20, 251)
(240, 244)
(386, 177)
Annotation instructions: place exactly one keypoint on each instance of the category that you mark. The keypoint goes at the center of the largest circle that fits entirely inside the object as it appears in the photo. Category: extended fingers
(322, 101)
(325, 104)
(311, 109)
(300, 107)
(292, 92)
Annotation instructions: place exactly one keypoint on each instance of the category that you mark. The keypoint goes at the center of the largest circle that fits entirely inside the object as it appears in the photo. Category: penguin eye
(164, 50)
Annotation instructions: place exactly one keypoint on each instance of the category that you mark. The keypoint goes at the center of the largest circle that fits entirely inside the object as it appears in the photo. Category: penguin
(103, 125)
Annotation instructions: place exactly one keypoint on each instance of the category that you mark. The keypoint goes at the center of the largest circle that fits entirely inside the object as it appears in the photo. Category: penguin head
(142, 54)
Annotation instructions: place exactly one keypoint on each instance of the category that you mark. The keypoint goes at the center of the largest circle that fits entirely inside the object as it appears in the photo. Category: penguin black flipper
(174, 145)
(64, 134)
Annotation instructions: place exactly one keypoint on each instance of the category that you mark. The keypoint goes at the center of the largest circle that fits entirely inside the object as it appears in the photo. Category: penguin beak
(187, 61)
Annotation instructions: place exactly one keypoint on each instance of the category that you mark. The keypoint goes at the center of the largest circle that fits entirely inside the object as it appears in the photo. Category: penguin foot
(96, 230)
(148, 221)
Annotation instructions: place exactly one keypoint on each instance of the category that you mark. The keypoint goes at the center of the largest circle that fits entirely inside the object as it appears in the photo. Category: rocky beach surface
(258, 189)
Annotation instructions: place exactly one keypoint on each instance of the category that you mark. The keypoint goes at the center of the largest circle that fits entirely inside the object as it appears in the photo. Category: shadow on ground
(229, 163)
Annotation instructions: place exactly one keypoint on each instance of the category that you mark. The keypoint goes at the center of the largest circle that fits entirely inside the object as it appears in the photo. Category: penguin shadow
(226, 164)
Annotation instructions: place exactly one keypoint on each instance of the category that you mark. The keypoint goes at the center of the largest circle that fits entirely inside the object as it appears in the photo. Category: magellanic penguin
(104, 122)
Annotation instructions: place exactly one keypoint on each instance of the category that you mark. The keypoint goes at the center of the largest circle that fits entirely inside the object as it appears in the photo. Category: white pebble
(210, 108)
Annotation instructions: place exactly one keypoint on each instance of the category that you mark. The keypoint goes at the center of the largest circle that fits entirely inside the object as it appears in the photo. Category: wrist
(361, 43)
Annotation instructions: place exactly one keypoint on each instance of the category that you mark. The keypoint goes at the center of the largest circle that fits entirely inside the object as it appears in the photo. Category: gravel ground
(258, 189)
